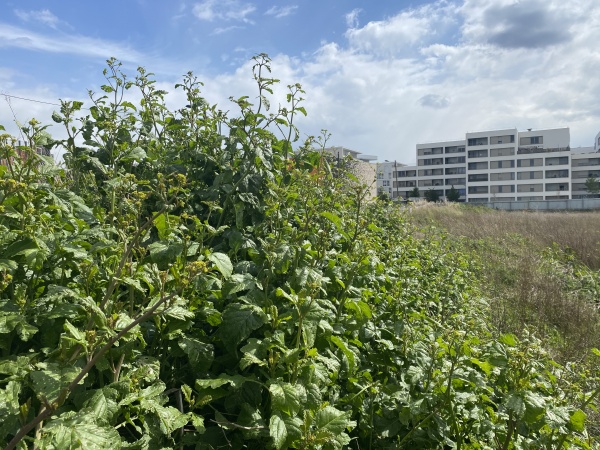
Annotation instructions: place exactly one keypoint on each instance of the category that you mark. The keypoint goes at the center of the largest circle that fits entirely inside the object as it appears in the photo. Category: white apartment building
(496, 166)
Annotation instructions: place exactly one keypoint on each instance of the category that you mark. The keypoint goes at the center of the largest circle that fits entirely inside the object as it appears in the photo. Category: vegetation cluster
(186, 280)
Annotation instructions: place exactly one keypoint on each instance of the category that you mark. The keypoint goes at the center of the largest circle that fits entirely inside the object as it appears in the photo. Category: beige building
(360, 165)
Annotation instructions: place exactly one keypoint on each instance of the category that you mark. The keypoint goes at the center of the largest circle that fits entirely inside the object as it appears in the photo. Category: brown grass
(578, 231)
(530, 266)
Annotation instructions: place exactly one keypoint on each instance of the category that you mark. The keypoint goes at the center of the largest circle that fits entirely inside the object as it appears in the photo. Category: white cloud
(281, 11)
(352, 18)
(221, 30)
(11, 36)
(404, 31)
(210, 10)
(522, 24)
(434, 101)
(423, 75)
(43, 16)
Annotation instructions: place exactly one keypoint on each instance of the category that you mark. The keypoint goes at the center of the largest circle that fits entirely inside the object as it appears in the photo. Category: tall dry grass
(540, 270)
(577, 231)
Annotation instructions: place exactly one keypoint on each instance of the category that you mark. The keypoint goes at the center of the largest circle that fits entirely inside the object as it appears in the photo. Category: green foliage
(187, 281)
(414, 193)
(453, 195)
(592, 185)
(431, 195)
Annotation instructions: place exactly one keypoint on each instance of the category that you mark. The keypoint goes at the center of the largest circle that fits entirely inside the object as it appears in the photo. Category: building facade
(496, 166)
(361, 167)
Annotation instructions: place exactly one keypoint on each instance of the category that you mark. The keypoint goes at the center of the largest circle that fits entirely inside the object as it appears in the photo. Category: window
(478, 177)
(455, 170)
(530, 187)
(478, 165)
(379, 175)
(478, 153)
(455, 149)
(557, 160)
(531, 175)
(550, 187)
(502, 176)
(430, 151)
(430, 172)
(477, 141)
(455, 181)
(502, 189)
(386, 183)
(455, 160)
(405, 173)
(426, 183)
(507, 151)
(506, 139)
(532, 140)
(564, 173)
(502, 164)
(431, 162)
(529, 162)
(478, 189)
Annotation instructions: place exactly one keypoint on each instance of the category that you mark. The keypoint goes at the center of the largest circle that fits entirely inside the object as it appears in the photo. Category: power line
(30, 99)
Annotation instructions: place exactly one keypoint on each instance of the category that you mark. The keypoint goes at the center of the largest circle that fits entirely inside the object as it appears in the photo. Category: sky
(380, 76)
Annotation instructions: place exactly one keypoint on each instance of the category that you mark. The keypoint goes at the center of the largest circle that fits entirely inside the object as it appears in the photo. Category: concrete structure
(497, 166)
(360, 165)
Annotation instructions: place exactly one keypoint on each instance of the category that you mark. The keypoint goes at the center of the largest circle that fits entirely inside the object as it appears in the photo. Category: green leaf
(78, 336)
(199, 354)
(557, 417)
(483, 365)
(239, 321)
(345, 350)
(287, 397)
(80, 436)
(170, 418)
(49, 382)
(235, 381)
(103, 405)
(19, 247)
(9, 399)
(509, 339)
(515, 404)
(223, 263)
(179, 313)
(136, 154)
(57, 117)
(577, 420)
(333, 420)
(164, 253)
(277, 431)
(8, 265)
(9, 322)
(198, 423)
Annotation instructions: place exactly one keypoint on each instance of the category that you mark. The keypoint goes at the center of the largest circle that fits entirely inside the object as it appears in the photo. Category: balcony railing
(530, 150)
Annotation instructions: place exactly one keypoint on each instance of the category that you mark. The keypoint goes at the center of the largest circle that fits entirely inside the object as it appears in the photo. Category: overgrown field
(540, 271)
(186, 281)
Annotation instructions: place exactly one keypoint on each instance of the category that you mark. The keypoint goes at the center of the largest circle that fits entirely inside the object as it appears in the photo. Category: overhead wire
(29, 99)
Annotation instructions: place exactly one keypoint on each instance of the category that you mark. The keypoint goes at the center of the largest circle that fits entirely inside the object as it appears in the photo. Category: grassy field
(540, 270)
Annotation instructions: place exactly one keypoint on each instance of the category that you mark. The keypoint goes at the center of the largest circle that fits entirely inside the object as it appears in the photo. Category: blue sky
(380, 76)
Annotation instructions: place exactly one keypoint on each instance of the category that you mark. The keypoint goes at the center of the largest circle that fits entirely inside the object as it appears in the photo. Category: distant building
(22, 154)
(497, 166)
(361, 166)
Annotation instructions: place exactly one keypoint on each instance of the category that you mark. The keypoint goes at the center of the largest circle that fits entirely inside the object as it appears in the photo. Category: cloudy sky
(380, 76)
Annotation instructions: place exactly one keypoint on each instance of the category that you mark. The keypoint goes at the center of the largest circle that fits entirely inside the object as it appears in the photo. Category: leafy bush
(188, 281)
